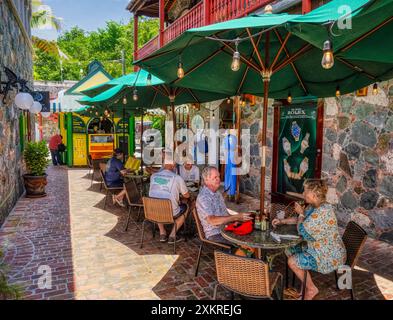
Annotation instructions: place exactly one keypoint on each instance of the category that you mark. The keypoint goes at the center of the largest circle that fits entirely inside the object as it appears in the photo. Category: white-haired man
(211, 207)
(166, 184)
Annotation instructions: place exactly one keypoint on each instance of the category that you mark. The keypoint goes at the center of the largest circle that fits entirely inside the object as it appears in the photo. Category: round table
(262, 241)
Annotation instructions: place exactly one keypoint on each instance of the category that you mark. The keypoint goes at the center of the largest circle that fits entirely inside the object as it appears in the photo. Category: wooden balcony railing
(193, 19)
(218, 11)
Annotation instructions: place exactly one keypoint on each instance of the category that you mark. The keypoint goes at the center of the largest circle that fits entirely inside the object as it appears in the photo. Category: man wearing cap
(166, 184)
(114, 173)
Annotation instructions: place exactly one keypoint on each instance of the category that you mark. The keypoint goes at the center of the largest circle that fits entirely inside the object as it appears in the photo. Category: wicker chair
(108, 191)
(159, 211)
(90, 165)
(134, 200)
(102, 168)
(247, 277)
(354, 239)
(204, 241)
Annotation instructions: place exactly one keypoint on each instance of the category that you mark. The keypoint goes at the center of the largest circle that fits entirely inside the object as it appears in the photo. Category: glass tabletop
(263, 239)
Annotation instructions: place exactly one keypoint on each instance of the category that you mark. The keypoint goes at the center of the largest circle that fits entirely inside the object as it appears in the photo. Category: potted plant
(36, 158)
(7, 291)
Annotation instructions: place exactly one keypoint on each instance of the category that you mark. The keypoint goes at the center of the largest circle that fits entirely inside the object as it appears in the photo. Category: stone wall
(357, 158)
(16, 55)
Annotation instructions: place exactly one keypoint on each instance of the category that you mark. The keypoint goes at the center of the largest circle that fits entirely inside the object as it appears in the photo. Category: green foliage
(36, 157)
(82, 47)
(7, 291)
(159, 124)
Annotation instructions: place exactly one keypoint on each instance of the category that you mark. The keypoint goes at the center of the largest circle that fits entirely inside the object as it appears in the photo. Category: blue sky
(86, 14)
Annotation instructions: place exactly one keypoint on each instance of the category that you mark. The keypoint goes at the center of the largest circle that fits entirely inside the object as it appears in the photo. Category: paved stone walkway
(91, 257)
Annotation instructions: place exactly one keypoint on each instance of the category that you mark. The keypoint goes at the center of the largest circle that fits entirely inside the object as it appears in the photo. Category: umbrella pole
(239, 149)
(264, 146)
(124, 134)
(174, 125)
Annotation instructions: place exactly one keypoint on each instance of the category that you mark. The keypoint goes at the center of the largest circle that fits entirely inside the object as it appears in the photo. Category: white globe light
(36, 107)
(24, 100)
(45, 114)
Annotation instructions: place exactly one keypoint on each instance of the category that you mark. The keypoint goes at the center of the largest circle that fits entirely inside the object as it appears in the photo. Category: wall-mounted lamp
(15, 83)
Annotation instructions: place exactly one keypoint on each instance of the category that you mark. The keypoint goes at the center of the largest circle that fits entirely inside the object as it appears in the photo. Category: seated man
(166, 184)
(211, 207)
(189, 172)
(114, 173)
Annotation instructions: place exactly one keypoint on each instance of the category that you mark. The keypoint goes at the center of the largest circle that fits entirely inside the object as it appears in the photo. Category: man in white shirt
(189, 172)
(166, 184)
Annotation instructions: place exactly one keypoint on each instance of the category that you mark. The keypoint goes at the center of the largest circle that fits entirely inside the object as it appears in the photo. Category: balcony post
(136, 42)
(206, 12)
(306, 6)
(162, 22)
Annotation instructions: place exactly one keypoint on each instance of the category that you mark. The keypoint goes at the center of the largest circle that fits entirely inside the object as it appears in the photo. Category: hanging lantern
(289, 98)
(135, 95)
(236, 59)
(338, 92)
(149, 79)
(180, 70)
(328, 55)
(375, 89)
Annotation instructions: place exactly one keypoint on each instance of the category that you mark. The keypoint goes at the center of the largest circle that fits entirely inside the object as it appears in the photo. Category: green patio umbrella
(279, 55)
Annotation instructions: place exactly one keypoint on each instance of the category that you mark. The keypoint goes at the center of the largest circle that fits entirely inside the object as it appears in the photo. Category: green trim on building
(131, 129)
(70, 141)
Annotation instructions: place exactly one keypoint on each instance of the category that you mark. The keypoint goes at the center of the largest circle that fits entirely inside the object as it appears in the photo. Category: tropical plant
(36, 157)
(7, 291)
(42, 16)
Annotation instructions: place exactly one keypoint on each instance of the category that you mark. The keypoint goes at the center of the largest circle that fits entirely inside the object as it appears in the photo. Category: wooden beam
(292, 64)
(294, 57)
(356, 68)
(349, 46)
(256, 49)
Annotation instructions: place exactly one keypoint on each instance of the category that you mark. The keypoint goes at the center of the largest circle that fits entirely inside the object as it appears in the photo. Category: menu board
(122, 126)
(78, 125)
(297, 146)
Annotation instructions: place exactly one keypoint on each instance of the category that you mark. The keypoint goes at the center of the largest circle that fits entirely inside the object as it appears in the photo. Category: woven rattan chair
(108, 191)
(247, 277)
(354, 239)
(90, 165)
(204, 241)
(159, 211)
(134, 200)
(102, 168)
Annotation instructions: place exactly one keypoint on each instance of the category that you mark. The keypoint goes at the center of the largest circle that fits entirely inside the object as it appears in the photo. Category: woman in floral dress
(324, 251)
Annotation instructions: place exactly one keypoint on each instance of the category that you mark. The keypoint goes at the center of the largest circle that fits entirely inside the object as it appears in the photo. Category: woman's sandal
(292, 294)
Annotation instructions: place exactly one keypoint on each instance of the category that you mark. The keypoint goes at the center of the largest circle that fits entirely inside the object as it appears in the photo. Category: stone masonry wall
(357, 158)
(16, 55)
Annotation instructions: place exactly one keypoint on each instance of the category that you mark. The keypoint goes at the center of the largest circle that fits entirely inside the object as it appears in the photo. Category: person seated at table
(211, 207)
(317, 224)
(166, 184)
(190, 172)
(114, 173)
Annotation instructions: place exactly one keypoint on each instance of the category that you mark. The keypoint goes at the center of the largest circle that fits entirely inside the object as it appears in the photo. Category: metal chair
(159, 211)
(134, 200)
(354, 239)
(204, 241)
(108, 190)
(247, 277)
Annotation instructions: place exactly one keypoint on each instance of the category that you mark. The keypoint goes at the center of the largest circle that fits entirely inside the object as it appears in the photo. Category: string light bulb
(328, 55)
(290, 100)
(149, 79)
(338, 92)
(229, 101)
(375, 89)
(236, 58)
(180, 70)
(135, 95)
(125, 100)
(214, 116)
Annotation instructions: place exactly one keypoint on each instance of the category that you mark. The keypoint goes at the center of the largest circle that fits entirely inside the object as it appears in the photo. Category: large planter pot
(35, 186)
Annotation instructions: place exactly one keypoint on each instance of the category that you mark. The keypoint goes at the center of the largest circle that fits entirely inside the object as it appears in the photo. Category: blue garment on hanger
(230, 145)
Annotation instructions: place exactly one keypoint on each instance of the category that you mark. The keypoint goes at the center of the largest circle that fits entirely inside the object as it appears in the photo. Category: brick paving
(91, 257)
